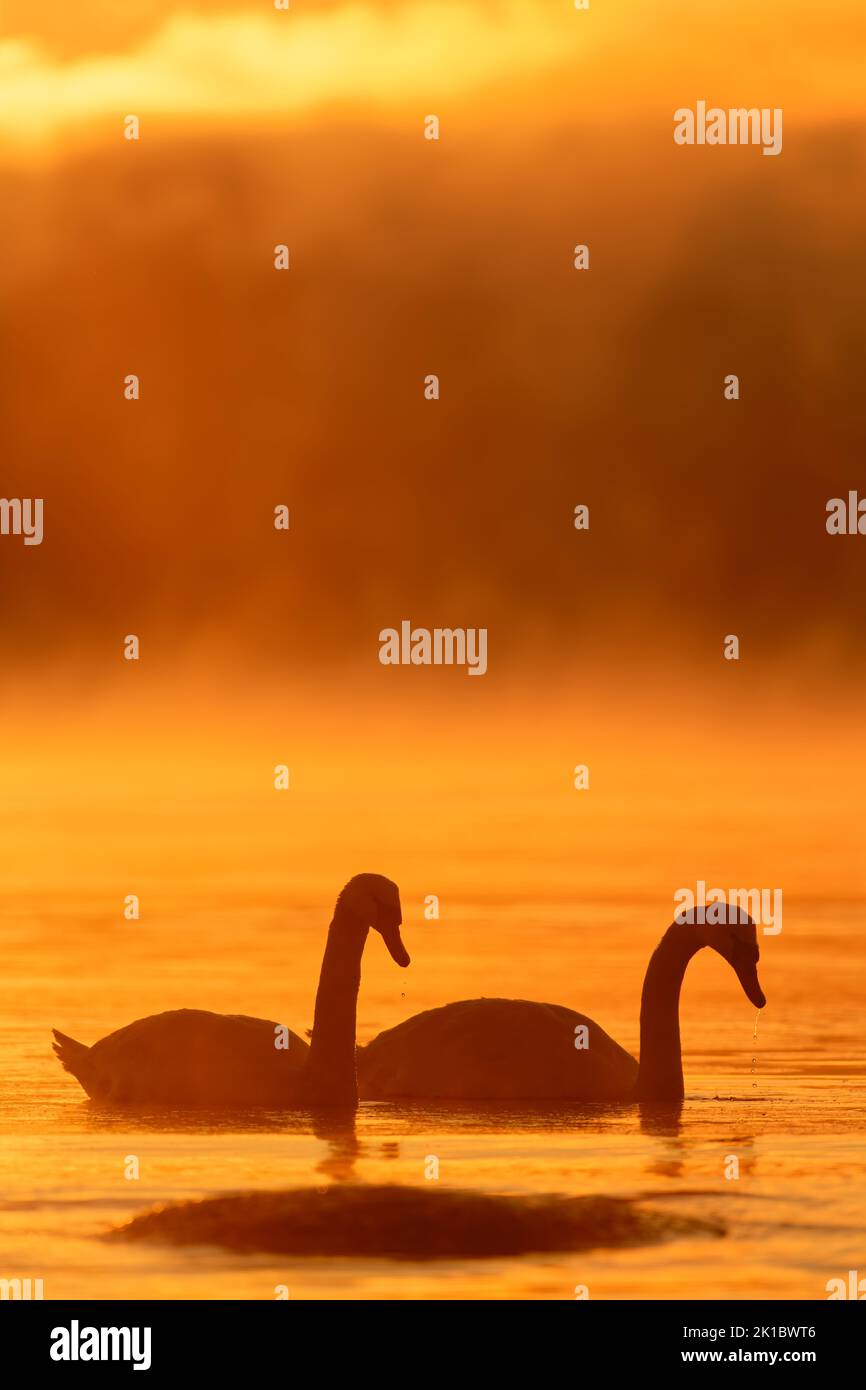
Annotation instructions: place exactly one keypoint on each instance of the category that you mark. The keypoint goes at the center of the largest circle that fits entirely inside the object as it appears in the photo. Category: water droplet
(755, 1036)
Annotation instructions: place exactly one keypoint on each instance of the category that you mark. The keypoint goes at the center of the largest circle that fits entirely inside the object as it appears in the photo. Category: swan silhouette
(189, 1057)
(512, 1049)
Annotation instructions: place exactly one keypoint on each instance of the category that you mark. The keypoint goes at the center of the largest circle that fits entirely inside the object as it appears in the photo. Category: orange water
(544, 893)
(794, 1217)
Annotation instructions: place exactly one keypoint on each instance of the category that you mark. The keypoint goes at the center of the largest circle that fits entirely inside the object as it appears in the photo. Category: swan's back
(495, 1049)
(190, 1057)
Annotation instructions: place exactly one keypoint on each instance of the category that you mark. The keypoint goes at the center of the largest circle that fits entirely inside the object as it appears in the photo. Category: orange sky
(557, 388)
(241, 59)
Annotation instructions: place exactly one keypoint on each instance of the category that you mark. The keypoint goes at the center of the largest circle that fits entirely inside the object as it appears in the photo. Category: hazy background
(411, 257)
(306, 388)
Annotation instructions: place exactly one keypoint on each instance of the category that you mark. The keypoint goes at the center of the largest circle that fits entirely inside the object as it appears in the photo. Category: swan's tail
(73, 1055)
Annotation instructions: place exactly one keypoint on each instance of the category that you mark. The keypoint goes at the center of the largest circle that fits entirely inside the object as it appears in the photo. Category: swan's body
(189, 1057)
(513, 1049)
(192, 1058)
(496, 1049)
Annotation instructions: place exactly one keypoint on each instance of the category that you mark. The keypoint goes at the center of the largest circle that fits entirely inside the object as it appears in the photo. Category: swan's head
(375, 901)
(731, 932)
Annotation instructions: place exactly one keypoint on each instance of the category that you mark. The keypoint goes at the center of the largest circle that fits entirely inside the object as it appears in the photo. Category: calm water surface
(791, 1107)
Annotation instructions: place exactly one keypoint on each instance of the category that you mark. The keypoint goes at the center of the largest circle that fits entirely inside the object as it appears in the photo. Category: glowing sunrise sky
(232, 61)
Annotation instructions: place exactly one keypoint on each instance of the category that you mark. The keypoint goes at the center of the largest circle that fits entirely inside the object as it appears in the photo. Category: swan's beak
(394, 941)
(747, 974)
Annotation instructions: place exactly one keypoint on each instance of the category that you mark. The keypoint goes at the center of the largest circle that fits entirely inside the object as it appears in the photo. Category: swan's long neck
(330, 1077)
(660, 1075)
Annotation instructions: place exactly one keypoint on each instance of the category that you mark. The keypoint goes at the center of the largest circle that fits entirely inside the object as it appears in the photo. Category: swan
(190, 1057)
(513, 1049)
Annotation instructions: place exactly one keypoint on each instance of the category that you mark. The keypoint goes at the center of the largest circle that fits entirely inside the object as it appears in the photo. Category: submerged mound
(407, 1223)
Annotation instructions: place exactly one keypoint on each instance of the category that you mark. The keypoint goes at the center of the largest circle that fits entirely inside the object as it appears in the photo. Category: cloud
(269, 63)
(605, 62)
